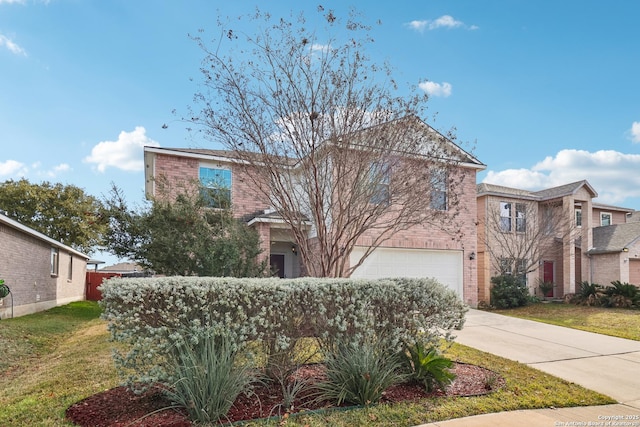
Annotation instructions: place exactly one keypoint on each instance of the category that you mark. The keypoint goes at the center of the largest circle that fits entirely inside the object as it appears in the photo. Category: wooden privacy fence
(94, 279)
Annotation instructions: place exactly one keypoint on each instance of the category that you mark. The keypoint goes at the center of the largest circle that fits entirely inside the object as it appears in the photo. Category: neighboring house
(615, 254)
(125, 269)
(41, 272)
(557, 235)
(422, 251)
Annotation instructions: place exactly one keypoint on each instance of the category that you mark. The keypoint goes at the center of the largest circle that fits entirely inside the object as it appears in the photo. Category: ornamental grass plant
(358, 373)
(207, 378)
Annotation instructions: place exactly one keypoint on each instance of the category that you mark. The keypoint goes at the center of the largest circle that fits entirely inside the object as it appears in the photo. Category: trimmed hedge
(154, 314)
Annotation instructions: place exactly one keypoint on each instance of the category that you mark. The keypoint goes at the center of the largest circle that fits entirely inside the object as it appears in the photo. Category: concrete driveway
(601, 363)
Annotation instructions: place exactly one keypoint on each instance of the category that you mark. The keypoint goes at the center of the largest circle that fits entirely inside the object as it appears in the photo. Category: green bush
(588, 294)
(151, 314)
(4, 289)
(207, 379)
(426, 365)
(508, 291)
(358, 373)
(623, 295)
(545, 288)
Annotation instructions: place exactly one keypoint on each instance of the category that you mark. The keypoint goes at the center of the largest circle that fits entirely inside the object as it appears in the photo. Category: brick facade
(25, 266)
(567, 253)
(180, 169)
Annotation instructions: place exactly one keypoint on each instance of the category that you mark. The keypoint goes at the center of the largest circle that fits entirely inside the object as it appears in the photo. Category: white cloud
(635, 132)
(12, 1)
(436, 89)
(124, 154)
(445, 21)
(53, 172)
(10, 168)
(612, 174)
(13, 47)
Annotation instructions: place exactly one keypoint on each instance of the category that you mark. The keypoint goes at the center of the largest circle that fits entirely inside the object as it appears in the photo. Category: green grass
(617, 322)
(51, 360)
(37, 334)
(59, 357)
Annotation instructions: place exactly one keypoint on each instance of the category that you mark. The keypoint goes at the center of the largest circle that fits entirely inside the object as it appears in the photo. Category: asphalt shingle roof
(614, 238)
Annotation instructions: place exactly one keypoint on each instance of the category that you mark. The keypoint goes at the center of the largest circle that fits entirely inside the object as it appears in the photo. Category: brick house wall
(617, 216)
(182, 173)
(429, 236)
(25, 266)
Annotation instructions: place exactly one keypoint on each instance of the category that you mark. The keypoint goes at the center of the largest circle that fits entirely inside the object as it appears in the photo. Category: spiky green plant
(207, 379)
(429, 367)
(621, 295)
(358, 373)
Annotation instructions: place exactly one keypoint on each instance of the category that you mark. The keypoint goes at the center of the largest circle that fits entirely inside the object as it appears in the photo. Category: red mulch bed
(120, 407)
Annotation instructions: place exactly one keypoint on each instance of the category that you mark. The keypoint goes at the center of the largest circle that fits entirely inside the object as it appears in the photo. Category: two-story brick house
(424, 250)
(556, 235)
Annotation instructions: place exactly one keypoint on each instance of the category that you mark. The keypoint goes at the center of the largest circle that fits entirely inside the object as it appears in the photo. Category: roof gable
(565, 190)
(428, 134)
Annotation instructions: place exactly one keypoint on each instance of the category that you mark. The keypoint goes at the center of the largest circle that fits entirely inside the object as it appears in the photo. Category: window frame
(379, 177)
(521, 221)
(578, 218)
(439, 197)
(55, 261)
(602, 215)
(70, 271)
(213, 193)
(505, 221)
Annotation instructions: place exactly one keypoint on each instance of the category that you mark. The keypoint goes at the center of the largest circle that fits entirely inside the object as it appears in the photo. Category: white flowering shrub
(153, 314)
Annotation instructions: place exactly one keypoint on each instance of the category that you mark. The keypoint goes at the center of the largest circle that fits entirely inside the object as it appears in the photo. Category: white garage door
(444, 266)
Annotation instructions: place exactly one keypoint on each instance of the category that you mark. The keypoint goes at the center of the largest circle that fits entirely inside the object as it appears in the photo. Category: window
(439, 191)
(578, 217)
(70, 272)
(605, 218)
(54, 261)
(505, 266)
(505, 216)
(521, 220)
(379, 178)
(216, 185)
(514, 266)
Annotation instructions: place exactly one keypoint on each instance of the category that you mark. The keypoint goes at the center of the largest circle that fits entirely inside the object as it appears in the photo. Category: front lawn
(59, 357)
(617, 322)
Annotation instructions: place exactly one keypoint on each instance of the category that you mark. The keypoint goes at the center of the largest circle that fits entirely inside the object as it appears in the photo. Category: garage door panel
(444, 266)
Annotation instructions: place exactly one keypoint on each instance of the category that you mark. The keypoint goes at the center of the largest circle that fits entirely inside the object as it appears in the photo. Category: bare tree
(519, 234)
(322, 133)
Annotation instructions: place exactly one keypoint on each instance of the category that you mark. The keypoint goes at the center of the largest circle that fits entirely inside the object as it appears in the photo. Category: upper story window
(216, 183)
(605, 218)
(505, 216)
(578, 217)
(439, 191)
(380, 178)
(521, 218)
(55, 261)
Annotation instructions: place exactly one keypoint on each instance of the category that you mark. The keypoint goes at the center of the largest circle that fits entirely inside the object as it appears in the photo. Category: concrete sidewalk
(601, 363)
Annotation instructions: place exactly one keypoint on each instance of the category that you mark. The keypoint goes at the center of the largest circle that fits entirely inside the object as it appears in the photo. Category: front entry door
(277, 265)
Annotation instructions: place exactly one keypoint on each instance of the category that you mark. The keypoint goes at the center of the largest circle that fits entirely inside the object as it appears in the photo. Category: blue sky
(544, 93)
